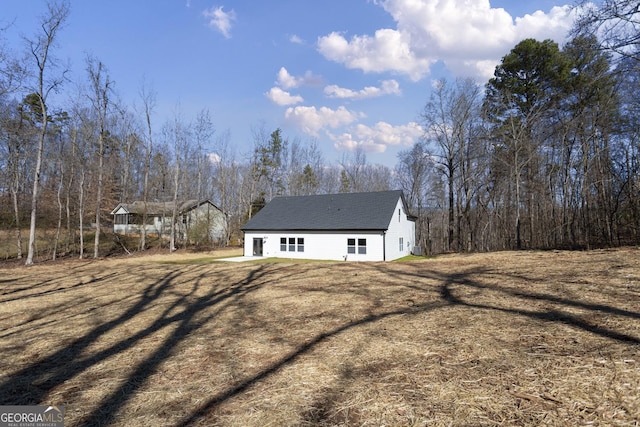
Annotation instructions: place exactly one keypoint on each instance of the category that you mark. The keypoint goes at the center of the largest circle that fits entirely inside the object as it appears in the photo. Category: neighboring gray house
(373, 226)
(196, 219)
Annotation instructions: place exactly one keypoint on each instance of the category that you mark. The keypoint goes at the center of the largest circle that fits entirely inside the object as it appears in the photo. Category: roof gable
(345, 211)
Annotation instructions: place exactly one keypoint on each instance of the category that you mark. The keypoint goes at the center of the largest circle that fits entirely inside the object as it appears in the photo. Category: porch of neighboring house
(128, 218)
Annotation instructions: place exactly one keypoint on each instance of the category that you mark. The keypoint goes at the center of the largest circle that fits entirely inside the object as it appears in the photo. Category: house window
(121, 218)
(289, 244)
(399, 214)
(401, 244)
(362, 246)
(351, 246)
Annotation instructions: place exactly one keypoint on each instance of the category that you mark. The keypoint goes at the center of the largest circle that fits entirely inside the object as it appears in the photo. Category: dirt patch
(510, 338)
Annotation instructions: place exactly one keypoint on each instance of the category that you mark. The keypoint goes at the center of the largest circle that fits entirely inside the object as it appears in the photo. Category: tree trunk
(451, 224)
(96, 242)
(16, 211)
(36, 188)
(81, 211)
(59, 225)
(174, 213)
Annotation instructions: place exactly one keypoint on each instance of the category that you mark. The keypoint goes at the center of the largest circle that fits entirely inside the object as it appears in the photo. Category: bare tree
(203, 131)
(12, 127)
(101, 88)
(12, 71)
(17, 132)
(412, 173)
(148, 97)
(127, 133)
(449, 118)
(61, 171)
(81, 141)
(39, 49)
(178, 134)
(254, 188)
(353, 167)
(226, 182)
(616, 23)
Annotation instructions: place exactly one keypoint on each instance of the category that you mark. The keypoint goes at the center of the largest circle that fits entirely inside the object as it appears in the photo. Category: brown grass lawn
(509, 339)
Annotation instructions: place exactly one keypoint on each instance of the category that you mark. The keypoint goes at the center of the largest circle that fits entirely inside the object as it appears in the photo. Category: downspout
(384, 245)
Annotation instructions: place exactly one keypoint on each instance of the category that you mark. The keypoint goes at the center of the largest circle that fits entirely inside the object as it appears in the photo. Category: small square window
(283, 244)
(362, 246)
(300, 244)
(351, 246)
(292, 244)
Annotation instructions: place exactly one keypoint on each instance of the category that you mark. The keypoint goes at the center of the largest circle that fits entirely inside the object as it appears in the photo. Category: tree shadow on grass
(187, 322)
(33, 383)
(469, 280)
(185, 315)
(292, 356)
(549, 315)
(415, 281)
(27, 292)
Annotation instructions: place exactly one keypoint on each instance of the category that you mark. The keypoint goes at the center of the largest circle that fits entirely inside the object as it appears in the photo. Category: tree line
(543, 155)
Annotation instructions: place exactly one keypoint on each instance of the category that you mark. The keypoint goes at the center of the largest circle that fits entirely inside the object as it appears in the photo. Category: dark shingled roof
(345, 211)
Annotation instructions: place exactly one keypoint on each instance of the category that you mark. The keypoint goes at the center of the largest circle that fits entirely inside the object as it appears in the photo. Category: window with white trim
(288, 244)
(351, 246)
(401, 244)
(362, 246)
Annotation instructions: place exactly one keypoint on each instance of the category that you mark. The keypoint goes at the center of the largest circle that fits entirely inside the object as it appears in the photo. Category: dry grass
(510, 339)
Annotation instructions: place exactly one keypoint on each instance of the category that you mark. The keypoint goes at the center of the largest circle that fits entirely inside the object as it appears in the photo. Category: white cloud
(312, 120)
(376, 139)
(387, 50)
(287, 81)
(349, 142)
(388, 87)
(281, 97)
(469, 36)
(540, 25)
(296, 39)
(220, 20)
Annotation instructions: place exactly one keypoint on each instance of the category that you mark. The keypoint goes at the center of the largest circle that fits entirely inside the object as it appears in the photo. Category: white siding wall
(120, 228)
(317, 245)
(400, 227)
(207, 216)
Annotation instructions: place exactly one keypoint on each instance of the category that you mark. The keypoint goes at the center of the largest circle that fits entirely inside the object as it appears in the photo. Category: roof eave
(302, 230)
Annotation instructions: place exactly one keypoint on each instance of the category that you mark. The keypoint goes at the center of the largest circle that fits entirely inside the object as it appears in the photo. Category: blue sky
(343, 73)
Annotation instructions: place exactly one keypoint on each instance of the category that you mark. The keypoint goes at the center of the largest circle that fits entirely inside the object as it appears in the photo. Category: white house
(197, 219)
(373, 226)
